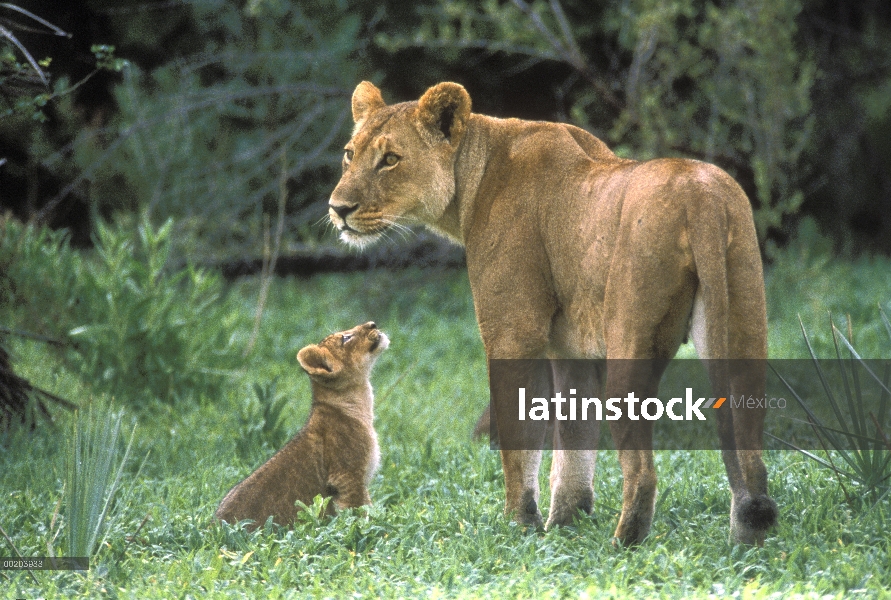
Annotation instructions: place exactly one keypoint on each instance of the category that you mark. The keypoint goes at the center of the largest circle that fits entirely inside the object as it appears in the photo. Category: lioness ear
(443, 111)
(318, 362)
(367, 99)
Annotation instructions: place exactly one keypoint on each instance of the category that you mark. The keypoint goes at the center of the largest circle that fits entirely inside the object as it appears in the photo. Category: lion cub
(336, 452)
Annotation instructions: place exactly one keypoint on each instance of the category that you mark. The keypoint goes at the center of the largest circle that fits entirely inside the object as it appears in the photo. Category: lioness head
(399, 166)
(344, 359)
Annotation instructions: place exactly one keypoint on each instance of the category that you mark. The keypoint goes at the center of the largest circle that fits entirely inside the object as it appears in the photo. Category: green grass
(436, 527)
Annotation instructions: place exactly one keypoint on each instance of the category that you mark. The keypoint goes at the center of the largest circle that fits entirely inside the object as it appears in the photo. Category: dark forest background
(230, 116)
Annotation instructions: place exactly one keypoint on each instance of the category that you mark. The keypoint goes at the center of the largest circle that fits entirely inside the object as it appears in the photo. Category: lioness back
(336, 453)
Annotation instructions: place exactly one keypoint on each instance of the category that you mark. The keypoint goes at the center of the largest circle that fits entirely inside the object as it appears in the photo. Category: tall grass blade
(862, 361)
(822, 377)
(883, 405)
(92, 476)
(886, 321)
(811, 456)
(857, 420)
(868, 458)
(40, 20)
(4, 32)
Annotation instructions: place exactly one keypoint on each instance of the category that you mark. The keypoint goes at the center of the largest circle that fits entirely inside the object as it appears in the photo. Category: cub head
(344, 359)
(398, 168)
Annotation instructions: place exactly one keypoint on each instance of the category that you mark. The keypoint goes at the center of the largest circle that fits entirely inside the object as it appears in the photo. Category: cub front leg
(348, 491)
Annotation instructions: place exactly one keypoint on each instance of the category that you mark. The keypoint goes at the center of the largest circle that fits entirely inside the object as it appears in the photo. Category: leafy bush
(138, 327)
(261, 425)
(204, 139)
(147, 326)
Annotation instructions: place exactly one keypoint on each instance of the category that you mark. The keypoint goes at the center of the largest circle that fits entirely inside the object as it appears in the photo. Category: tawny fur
(336, 453)
(573, 252)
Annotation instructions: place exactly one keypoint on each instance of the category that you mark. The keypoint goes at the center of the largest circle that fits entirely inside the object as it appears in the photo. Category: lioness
(336, 452)
(573, 252)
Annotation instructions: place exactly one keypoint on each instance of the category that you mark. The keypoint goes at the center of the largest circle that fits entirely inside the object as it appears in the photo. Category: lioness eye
(390, 159)
(348, 155)
(346, 338)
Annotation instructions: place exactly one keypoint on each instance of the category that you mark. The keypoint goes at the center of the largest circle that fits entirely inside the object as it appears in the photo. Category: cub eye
(345, 338)
(389, 160)
(348, 156)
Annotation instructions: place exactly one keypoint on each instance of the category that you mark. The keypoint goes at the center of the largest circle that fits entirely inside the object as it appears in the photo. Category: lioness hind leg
(634, 442)
(638, 496)
(752, 511)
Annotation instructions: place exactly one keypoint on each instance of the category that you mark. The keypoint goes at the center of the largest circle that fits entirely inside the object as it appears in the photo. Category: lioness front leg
(521, 486)
(572, 473)
(575, 446)
(521, 441)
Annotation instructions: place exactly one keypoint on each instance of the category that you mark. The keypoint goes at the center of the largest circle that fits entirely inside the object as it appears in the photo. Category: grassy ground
(436, 527)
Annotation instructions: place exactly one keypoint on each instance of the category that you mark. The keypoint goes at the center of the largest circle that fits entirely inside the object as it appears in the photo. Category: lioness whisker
(403, 231)
(391, 220)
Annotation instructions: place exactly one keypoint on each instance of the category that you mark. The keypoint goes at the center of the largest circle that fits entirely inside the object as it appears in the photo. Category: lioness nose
(343, 211)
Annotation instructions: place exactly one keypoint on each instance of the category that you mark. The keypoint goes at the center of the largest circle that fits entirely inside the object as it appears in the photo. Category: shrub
(137, 327)
(260, 422)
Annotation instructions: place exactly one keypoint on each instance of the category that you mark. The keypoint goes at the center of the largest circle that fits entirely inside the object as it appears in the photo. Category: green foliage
(204, 139)
(218, 92)
(105, 58)
(10, 69)
(138, 326)
(726, 84)
(36, 264)
(261, 424)
(148, 325)
(806, 279)
(20, 82)
(858, 437)
(436, 527)
(93, 471)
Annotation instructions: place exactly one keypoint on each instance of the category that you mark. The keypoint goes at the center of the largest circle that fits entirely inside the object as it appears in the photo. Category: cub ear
(318, 362)
(443, 111)
(367, 100)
